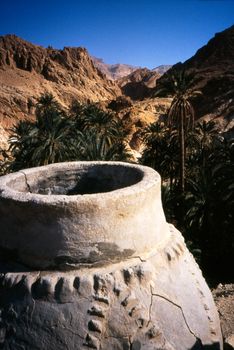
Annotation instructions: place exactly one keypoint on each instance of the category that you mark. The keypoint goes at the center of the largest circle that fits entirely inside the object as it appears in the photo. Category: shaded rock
(213, 69)
(224, 298)
(229, 343)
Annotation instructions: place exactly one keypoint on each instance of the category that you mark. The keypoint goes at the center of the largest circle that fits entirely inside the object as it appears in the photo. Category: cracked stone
(129, 282)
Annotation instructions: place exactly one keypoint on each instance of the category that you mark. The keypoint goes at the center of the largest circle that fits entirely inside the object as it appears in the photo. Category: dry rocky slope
(27, 71)
(213, 67)
(139, 115)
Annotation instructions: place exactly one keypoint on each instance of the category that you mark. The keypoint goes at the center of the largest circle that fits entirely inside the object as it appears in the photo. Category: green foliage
(208, 198)
(85, 133)
(181, 111)
(161, 151)
(44, 141)
(99, 135)
(92, 146)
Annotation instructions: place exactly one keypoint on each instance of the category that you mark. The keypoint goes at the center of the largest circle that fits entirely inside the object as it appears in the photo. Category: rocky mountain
(113, 71)
(213, 69)
(138, 84)
(27, 71)
(119, 71)
(162, 69)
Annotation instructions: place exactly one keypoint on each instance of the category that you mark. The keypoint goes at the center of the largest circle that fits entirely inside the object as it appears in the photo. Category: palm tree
(45, 102)
(210, 203)
(52, 144)
(88, 133)
(21, 140)
(153, 137)
(90, 117)
(181, 111)
(102, 123)
(161, 149)
(90, 145)
(205, 133)
(45, 141)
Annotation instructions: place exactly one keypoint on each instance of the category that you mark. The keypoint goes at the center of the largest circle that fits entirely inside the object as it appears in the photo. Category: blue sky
(143, 33)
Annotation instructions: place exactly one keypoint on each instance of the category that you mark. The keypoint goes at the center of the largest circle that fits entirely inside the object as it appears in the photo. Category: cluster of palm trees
(195, 161)
(203, 209)
(84, 133)
(197, 167)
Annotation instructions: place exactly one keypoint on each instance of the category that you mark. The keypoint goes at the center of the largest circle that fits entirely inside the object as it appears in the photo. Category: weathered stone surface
(77, 213)
(170, 308)
(156, 300)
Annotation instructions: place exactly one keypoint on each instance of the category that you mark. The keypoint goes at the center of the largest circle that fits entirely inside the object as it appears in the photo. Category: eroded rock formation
(139, 84)
(28, 70)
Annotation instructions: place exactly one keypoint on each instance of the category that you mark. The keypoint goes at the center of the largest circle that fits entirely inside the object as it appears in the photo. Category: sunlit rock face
(89, 261)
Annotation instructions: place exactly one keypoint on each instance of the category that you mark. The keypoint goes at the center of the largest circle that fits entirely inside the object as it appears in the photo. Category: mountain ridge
(213, 69)
(113, 71)
(28, 70)
(118, 71)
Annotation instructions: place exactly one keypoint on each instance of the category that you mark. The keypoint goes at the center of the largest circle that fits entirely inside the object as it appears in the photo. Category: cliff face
(27, 70)
(72, 65)
(138, 85)
(218, 52)
(213, 68)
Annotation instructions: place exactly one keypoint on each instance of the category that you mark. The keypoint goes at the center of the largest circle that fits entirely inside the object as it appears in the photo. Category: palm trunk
(171, 181)
(182, 171)
(182, 154)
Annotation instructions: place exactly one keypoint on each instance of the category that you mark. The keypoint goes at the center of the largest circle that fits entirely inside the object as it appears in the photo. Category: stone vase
(89, 261)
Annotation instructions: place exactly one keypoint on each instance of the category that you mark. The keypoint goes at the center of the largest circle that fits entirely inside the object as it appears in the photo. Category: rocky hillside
(138, 85)
(113, 71)
(27, 70)
(141, 114)
(213, 68)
